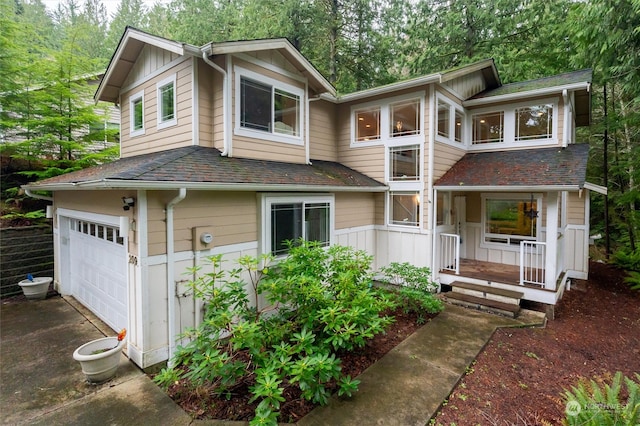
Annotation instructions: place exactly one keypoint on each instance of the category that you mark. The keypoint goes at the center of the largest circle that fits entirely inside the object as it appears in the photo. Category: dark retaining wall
(27, 250)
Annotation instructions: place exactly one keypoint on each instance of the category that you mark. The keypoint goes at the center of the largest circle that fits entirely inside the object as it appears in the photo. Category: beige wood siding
(445, 156)
(206, 78)
(106, 202)
(232, 215)
(575, 208)
(354, 209)
(322, 125)
(255, 147)
(155, 140)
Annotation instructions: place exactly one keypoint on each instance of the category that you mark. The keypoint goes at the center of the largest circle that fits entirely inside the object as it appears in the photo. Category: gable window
(405, 118)
(267, 108)
(167, 102)
(368, 124)
(136, 114)
(488, 128)
(289, 218)
(534, 122)
(405, 163)
(450, 121)
(405, 208)
(508, 220)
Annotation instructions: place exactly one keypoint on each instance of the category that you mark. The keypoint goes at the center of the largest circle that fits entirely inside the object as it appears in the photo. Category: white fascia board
(206, 186)
(489, 188)
(235, 47)
(526, 94)
(389, 88)
(596, 188)
(477, 66)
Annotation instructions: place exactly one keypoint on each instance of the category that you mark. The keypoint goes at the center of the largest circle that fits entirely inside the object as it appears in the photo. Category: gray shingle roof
(202, 165)
(529, 167)
(541, 83)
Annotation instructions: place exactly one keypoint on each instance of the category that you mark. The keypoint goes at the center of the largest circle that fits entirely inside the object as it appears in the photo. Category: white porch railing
(532, 262)
(450, 252)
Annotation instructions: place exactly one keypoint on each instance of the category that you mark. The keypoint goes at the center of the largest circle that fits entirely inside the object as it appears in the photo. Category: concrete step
(487, 292)
(507, 309)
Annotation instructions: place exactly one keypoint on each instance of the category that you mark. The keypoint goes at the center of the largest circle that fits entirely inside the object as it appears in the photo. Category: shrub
(415, 292)
(630, 262)
(594, 404)
(320, 300)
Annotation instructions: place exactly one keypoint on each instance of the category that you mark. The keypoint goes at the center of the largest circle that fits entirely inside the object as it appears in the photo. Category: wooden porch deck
(488, 271)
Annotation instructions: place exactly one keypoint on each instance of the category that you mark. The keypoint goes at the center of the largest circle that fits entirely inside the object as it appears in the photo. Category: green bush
(630, 262)
(319, 300)
(415, 291)
(594, 404)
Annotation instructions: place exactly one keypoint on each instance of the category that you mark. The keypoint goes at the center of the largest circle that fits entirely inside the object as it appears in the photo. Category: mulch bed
(521, 375)
(203, 405)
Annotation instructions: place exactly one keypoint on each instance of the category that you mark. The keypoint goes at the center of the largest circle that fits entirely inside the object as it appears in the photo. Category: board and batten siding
(468, 85)
(154, 140)
(231, 215)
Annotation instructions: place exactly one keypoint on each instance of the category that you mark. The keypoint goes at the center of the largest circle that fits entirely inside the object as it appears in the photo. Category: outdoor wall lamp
(128, 203)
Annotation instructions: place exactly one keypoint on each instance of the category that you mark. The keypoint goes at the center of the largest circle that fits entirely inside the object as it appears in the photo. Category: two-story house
(236, 147)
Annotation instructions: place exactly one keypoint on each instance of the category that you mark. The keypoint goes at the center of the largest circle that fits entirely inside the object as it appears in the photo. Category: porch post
(551, 240)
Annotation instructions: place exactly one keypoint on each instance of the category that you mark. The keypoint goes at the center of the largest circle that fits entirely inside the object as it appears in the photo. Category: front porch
(502, 276)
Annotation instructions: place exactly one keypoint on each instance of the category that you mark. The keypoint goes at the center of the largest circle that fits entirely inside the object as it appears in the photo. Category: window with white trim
(267, 108)
(534, 122)
(136, 114)
(450, 122)
(166, 92)
(389, 121)
(404, 163)
(404, 118)
(509, 219)
(404, 208)
(368, 124)
(488, 127)
(289, 218)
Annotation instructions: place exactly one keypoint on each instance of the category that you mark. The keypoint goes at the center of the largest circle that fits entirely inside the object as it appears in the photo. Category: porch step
(486, 292)
(507, 309)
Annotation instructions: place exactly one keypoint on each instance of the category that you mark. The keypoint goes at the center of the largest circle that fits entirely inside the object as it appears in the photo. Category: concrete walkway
(41, 384)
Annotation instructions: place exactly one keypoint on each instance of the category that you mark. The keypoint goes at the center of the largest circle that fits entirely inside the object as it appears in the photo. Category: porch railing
(532, 262)
(450, 252)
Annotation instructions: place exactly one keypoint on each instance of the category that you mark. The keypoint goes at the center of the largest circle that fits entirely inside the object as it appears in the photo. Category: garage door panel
(98, 271)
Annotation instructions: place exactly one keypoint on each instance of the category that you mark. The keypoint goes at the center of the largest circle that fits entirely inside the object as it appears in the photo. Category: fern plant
(594, 404)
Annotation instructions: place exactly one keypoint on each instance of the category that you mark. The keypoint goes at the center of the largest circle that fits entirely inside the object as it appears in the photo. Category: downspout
(225, 103)
(431, 201)
(307, 120)
(567, 117)
(171, 282)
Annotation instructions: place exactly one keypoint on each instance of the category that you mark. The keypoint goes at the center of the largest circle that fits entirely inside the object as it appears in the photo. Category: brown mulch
(521, 375)
(204, 405)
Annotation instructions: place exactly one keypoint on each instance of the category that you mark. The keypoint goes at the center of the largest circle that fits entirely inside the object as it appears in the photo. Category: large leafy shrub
(414, 291)
(318, 301)
(630, 262)
(595, 404)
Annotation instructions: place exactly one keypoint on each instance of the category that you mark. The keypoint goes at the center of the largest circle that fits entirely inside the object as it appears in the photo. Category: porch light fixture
(530, 213)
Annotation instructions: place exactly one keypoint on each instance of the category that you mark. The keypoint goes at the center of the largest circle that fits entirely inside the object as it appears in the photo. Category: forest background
(46, 57)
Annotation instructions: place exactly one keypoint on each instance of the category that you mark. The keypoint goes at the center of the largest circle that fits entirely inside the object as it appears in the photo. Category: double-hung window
(267, 108)
(166, 92)
(290, 218)
(136, 114)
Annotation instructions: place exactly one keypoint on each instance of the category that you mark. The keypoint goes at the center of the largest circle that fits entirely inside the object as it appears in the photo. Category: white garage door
(98, 270)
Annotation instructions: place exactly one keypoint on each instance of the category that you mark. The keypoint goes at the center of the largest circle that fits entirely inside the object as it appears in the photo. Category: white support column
(551, 240)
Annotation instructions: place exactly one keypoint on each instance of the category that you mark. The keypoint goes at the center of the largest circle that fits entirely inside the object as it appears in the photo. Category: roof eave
(596, 188)
(389, 88)
(526, 94)
(210, 186)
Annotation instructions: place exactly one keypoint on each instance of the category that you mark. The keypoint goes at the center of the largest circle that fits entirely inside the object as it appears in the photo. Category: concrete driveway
(41, 383)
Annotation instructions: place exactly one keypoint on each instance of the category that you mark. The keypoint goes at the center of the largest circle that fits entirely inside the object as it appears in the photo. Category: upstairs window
(488, 128)
(136, 114)
(405, 118)
(534, 122)
(405, 163)
(367, 124)
(167, 102)
(268, 106)
(450, 121)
